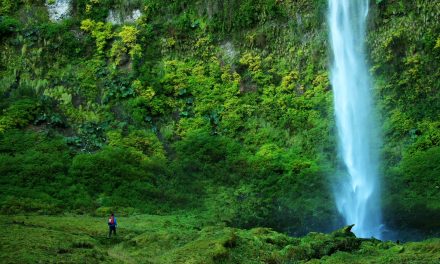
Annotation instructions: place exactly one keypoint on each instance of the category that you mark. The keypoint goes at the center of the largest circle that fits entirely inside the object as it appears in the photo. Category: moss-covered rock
(187, 239)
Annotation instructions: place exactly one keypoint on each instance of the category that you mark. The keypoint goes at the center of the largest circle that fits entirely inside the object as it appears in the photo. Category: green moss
(223, 107)
(187, 239)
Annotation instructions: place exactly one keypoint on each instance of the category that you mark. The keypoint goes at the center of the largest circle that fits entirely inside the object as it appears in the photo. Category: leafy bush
(32, 161)
(100, 31)
(412, 199)
(8, 26)
(118, 176)
(243, 206)
(19, 114)
(200, 155)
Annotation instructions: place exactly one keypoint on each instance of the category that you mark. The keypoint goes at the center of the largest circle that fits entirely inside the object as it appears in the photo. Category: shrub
(100, 31)
(8, 26)
(118, 176)
(19, 114)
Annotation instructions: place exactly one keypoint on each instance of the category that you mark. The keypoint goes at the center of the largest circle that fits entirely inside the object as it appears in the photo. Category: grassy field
(188, 239)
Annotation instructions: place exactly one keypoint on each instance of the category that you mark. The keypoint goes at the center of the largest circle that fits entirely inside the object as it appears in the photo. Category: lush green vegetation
(190, 239)
(221, 109)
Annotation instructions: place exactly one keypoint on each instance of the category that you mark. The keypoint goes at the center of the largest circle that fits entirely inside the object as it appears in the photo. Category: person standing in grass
(112, 225)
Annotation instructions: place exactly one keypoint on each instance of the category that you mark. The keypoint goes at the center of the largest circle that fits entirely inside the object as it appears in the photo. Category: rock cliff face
(221, 108)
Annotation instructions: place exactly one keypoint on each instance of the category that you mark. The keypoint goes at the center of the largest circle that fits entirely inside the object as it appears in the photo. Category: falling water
(58, 9)
(357, 193)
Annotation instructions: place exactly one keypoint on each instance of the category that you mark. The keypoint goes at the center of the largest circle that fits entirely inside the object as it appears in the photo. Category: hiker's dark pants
(110, 230)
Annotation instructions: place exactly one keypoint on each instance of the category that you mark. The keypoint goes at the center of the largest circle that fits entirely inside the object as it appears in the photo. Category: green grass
(188, 239)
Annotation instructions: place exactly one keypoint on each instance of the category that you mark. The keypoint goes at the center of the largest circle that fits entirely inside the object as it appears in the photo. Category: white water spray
(58, 9)
(357, 194)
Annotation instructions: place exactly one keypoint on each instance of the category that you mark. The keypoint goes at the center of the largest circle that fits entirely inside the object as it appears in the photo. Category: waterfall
(58, 9)
(357, 189)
